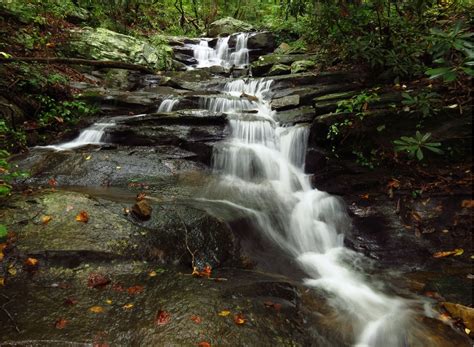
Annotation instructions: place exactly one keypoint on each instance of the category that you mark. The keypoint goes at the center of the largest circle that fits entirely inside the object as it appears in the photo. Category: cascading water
(222, 55)
(90, 136)
(262, 175)
(167, 105)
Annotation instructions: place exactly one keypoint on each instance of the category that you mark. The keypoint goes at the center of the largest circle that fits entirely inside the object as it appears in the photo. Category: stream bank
(168, 155)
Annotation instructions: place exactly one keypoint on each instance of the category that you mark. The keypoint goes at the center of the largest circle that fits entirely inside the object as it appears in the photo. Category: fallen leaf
(162, 317)
(2, 247)
(118, 287)
(224, 313)
(127, 306)
(88, 157)
(455, 252)
(239, 319)
(97, 280)
(467, 204)
(196, 319)
(108, 302)
(204, 344)
(152, 274)
(60, 120)
(273, 305)
(31, 261)
(96, 309)
(2, 281)
(135, 290)
(83, 217)
(12, 270)
(393, 183)
(204, 273)
(365, 196)
(52, 182)
(60, 323)
(140, 196)
(46, 219)
(467, 331)
(69, 208)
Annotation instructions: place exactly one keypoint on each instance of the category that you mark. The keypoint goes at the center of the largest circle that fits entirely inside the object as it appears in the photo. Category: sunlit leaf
(31, 262)
(127, 306)
(239, 319)
(455, 252)
(224, 313)
(46, 219)
(96, 309)
(83, 217)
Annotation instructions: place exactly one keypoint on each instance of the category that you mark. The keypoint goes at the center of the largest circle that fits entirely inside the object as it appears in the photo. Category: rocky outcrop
(103, 44)
(227, 26)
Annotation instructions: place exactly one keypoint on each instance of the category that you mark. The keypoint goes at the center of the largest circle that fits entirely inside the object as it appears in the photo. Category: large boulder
(104, 44)
(263, 41)
(227, 26)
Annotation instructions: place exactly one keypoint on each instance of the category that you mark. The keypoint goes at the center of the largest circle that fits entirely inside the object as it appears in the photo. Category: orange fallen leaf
(162, 317)
(204, 344)
(135, 290)
(52, 182)
(60, 323)
(224, 313)
(2, 247)
(31, 261)
(83, 217)
(239, 319)
(467, 204)
(455, 252)
(204, 273)
(196, 319)
(365, 196)
(46, 219)
(96, 309)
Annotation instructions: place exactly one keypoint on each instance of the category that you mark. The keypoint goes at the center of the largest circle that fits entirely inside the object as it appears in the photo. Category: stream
(257, 176)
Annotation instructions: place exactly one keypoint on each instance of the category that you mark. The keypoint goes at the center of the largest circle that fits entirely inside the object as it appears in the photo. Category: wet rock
(264, 63)
(283, 48)
(285, 102)
(462, 312)
(263, 41)
(302, 66)
(227, 26)
(142, 210)
(304, 114)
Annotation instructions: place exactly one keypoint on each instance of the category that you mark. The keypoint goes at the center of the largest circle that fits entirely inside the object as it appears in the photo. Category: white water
(167, 105)
(262, 168)
(90, 136)
(222, 54)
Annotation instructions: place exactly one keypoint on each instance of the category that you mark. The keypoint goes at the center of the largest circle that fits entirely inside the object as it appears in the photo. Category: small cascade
(222, 54)
(92, 135)
(167, 105)
(261, 167)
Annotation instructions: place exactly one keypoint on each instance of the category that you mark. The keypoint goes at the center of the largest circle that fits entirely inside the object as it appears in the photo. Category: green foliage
(3, 231)
(369, 161)
(425, 102)
(414, 146)
(68, 112)
(453, 50)
(355, 106)
(10, 137)
(7, 174)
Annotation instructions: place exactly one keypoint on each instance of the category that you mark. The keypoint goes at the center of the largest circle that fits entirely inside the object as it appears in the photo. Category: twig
(8, 313)
(186, 241)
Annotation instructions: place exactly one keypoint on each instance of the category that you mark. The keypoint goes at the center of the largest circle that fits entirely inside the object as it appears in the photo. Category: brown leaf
(270, 304)
(2, 247)
(83, 217)
(141, 196)
(118, 287)
(162, 317)
(196, 319)
(239, 319)
(455, 252)
(2, 281)
(467, 204)
(204, 344)
(46, 219)
(60, 323)
(52, 182)
(96, 280)
(393, 183)
(135, 290)
(204, 273)
(365, 196)
(31, 262)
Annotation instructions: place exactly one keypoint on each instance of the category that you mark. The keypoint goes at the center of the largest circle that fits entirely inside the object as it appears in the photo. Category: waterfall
(261, 168)
(167, 105)
(222, 55)
(90, 136)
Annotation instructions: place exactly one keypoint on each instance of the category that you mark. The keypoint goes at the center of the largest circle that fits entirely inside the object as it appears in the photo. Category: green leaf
(434, 149)
(3, 231)
(419, 154)
(450, 76)
(438, 72)
(5, 189)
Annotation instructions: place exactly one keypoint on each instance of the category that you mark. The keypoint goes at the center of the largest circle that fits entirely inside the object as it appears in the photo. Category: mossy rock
(279, 69)
(302, 66)
(104, 44)
(227, 26)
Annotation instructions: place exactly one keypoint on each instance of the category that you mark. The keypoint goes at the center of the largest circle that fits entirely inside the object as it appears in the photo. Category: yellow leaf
(96, 309)
(2, 281)
(467, 331)
(127, 306)
(455, 252)
(88, 157)
(458, 251)
(46, 219)
(108, 301)
(151, 273)
(224, 313)
(12, 270)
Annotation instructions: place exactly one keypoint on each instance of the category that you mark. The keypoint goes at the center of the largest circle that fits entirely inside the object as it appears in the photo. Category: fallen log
(77, 61)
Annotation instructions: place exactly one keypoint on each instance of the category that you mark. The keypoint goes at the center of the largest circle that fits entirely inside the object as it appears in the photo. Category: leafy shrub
(414, 146)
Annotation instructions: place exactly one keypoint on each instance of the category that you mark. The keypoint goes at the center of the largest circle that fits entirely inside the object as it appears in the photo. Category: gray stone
(227, 26)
